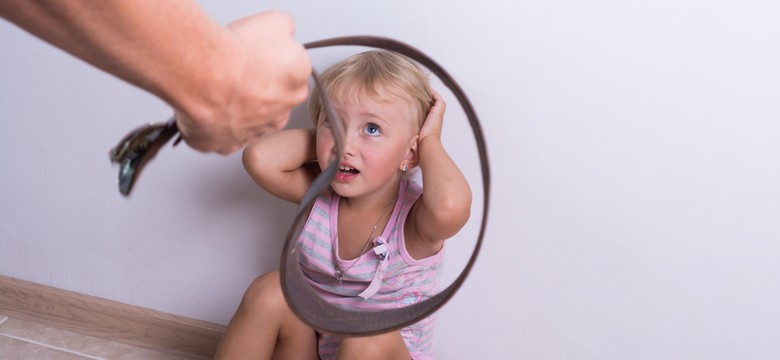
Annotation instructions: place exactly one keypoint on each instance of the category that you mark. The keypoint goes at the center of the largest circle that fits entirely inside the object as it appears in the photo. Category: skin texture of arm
(227, 85)
(283, 163)
(445, 205)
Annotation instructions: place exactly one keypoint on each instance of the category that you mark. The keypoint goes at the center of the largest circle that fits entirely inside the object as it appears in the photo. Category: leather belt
(136, 149)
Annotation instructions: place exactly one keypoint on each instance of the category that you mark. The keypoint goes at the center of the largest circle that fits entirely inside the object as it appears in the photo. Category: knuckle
(282, 20)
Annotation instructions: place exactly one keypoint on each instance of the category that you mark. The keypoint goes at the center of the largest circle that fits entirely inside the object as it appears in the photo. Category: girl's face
(379, 135)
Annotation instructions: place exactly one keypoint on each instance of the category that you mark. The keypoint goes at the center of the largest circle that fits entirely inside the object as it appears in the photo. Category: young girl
(374, 240)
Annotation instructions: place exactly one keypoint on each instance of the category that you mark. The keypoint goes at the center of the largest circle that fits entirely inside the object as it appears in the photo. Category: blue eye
(373, 130)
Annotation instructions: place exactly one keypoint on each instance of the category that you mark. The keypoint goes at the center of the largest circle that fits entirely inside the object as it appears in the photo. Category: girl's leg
(264, 327)
(390, 346)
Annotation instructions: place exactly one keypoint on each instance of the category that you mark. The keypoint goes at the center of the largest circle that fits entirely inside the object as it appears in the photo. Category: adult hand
(272, 78)
(227, 86)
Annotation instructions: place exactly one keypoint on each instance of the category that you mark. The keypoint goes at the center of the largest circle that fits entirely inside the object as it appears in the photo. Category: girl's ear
(411, 159)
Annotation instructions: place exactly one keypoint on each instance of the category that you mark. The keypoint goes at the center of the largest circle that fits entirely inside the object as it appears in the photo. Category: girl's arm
(445, 205)
(281, 163)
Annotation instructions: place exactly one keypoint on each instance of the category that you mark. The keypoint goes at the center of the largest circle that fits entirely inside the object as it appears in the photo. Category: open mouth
(346, 170)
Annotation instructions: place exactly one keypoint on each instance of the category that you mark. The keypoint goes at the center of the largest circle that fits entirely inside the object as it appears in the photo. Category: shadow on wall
(225, 190)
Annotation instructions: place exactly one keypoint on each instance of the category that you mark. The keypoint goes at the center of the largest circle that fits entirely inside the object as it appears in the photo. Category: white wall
(634, 153)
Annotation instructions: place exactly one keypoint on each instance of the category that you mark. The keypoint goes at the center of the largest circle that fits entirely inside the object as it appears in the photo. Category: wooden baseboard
(108, 319)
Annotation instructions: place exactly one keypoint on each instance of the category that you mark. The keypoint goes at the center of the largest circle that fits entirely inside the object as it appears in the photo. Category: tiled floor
(25, 340)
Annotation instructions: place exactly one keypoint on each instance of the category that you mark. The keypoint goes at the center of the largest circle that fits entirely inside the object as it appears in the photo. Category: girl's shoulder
(413, 189)
(411, 193)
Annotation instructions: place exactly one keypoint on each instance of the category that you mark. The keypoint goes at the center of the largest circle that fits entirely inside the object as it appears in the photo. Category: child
(374, 240)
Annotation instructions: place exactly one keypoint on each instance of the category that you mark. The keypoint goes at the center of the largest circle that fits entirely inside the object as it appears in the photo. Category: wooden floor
(24, 340)
(42, 322)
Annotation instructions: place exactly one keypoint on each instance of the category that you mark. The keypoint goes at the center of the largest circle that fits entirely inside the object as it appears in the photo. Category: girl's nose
(348, 150)
(349, 147)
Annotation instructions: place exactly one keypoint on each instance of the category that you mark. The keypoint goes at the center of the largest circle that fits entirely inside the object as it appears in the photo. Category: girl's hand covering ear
(433, 122)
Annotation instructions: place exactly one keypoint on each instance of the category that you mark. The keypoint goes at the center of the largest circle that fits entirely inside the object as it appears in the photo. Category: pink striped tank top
(387, 277)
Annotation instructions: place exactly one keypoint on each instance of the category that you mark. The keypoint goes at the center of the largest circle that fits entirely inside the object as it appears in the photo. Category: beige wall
(634, 154)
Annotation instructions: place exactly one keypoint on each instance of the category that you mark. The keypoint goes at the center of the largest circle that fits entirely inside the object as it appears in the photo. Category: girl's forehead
(356, 95)
(378, 104)
(380, 101)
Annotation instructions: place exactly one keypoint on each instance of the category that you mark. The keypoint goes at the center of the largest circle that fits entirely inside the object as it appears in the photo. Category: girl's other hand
(433, 122)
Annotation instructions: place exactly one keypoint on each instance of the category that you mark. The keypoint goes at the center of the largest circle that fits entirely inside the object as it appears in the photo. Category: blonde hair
(371, 72)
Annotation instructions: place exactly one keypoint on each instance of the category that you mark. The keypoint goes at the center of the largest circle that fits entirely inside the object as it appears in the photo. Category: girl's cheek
(324, 149)
(323, 139)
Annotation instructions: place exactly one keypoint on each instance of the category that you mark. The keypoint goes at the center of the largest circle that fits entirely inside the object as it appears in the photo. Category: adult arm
(227, 85)
(445, 205)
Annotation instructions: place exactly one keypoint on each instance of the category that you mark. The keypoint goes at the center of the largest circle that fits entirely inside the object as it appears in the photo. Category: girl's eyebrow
(371, 115)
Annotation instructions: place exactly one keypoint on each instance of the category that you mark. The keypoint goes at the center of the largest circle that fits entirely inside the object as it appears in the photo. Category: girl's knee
(265, 292)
